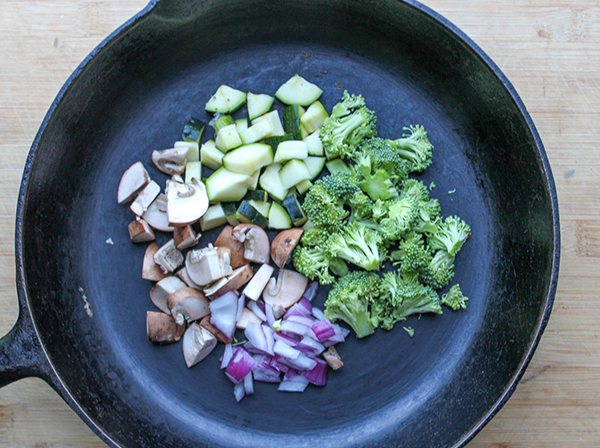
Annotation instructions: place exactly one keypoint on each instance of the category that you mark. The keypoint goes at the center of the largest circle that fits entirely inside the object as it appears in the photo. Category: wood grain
(549, 49)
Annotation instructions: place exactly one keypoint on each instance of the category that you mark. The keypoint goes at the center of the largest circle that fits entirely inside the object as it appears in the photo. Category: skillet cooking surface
(435, 389)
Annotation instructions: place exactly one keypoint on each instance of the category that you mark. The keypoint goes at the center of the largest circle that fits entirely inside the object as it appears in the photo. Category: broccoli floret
(402, 295)
(439, 271)
(361, 205)
(451, 236)
(379, 210)
(416, 189)
(380, 154)
(314, 263)
(358, 245)
(454, 298)
(322, 208)
(379, 185)
(415, 147)
(350, 299)
(338, 267)
(401, 216)
(315, 236)
(342, 185)
(429, 217)
(350, 122)
(412, 256)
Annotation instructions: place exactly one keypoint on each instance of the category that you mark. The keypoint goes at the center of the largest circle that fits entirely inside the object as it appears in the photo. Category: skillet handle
(21, 354)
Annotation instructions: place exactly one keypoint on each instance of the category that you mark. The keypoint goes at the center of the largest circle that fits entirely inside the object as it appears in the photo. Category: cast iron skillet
(132, 95)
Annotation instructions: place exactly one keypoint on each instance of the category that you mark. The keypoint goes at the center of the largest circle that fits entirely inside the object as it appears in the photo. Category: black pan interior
(134, 96)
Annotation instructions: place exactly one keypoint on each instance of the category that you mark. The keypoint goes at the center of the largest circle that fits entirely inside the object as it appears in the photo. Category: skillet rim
(26, 316)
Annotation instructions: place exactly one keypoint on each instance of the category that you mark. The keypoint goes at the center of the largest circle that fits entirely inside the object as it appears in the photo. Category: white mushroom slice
(156, 215)
(176, 178)
(238, 278)
(185, 237)
(254, 289)
(283, 245)
(186, 203)
(198, 343)
(247, 316)
(162, 329)
(150, 270)
(168, 257)
(256, 242)
(287, 291)
(171, 161)
(205, 322)
(205, 266)
(278, 311)
(140, 231)
(187, 305)
(226, 239)
(162, 290)
(134, 179)
(185, 277)
(332, 358)
(145, 198)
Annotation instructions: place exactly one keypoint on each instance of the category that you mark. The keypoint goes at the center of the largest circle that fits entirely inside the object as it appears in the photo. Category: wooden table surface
(549, 49)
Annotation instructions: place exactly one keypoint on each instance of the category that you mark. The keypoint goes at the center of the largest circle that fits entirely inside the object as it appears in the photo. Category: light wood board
(549, 49)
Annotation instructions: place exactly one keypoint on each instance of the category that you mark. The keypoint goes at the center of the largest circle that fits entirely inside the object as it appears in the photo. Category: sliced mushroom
(332, 358)
(238, 278)
(145, 198)
(247, 316)
(185, 237)
(186, 203)
(256, 242)
(278, 311)
(162, 329)
(283, 245)
(254, 289)
(287, 290)
(171, 161)
(236, 247)
(185, 277)
(187, 305)
(168, 257)
(205, 322)
(163, 289)
(133, 181)
(207, 265)
(150, 270)
(156, 214)
(140, 231)
(198, 343)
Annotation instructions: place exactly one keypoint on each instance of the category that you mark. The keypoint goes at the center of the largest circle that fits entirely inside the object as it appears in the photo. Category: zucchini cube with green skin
(228, 138)
(262, 207)
(193, 129)
(213, 218)
(276, 140)
(303, 186)
(255, 178)
(257, 195)
(226, 186)
(298, 90)
(314, 165)
(193, 154)
(279, 218)
(256, 132)
(210, 156)
(294, 209)
(241, 124)
(314, 145)
(293, 172)
(248, 159)
(271, 183)
(225, 100)
(222, 121)
(193, 170)
(313, 118)
(258, 104)
(291, 121)
(246, 213)
(291, 149)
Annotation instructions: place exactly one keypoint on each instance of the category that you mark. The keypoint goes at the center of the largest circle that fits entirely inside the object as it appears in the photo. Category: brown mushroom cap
(133, 181)
(162, 329)
(283, 245)
(140, 231)
(236, 247)
(238, 278)
(171, 161)
(150, 270)
(163, 289)
(156, 214)
(256, 242)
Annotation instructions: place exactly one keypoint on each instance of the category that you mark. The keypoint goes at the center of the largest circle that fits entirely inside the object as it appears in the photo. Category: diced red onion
(269, 313)
(277, 365)
(256, 336)
(266, 375)
(341, 331)
(318, 375)
(223, 313)
(294, 384)
(240, 365)
(318, 313)
(323, 329)
(227, 354)
(310, 347)
(285, 338)
(268, 332)
(252, 306)
(261, 305)
(252, 349)
(240, 307)
(290, 327)
(305, 303)
(249, 385)
(291, 373)
(311, 291)
(302, 362)
(239, 391)
(282, 349)
(304, 320)
(295, 311)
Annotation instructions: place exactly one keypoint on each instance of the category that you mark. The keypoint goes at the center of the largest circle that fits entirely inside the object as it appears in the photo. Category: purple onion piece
(319, 315)
(269, 313)
(323, 329)
(282, 349)
(248, 384)
(294, 384)
(293, 328)
(310, 347)
(240, 365)
(305, 303)
(304, 320)
(291, 373)
(318, 375)
(295, 311)
(227, 354)
(239, 391)
(285, 338)
(240, 307)
(301, 363)
(252, 306)
(311, 291)
(223, 313)
(261, 305)
(268, 332)
(256, 336)
(266, 375)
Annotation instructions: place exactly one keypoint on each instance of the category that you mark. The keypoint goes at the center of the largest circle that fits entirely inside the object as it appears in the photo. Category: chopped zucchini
(291, 149)
(248, 159)
(315, 165)
(276, 140)
(303, 186)
(210, 156)
(193, 154)
(222, 121)
(294, 209)
(254, 183)
(314, 145)
(298, 90)
(193, 129)
(230, 210)
(271, 183)
(225, 185)
(278, 217)
(337, 166)
(248, 214)
(257, 195)
(228, 138)
(293, 172)
(213, 217)
(262, 207)
(275, 121)
(258, 104)
(314, 117)
(241, 124)
(291, 121)
(256, 132)
(225, 100)
(193, 170)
